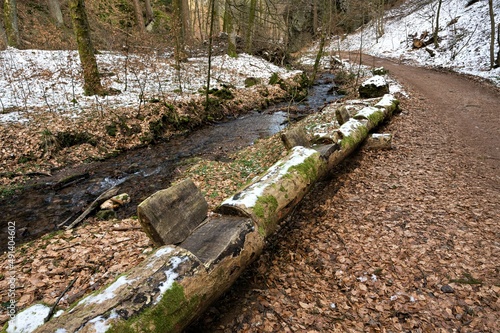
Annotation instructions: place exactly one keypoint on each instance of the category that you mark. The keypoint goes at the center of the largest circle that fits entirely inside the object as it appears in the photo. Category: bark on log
(296, 136)
(379, 141)
(170, 215)
(373, 115)
(273, 196)
(162, 294)
(216, 236)
(342, 115)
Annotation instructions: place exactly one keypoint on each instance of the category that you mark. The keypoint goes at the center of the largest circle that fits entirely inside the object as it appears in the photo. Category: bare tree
(379, 18)
(492, 39)
(210, 41)
(92, 82)
(436, 28)
(178, 30)
(55, 12)
(497, 62)
(149, 14)
(251, 26)
(228, 28)
(10, 22)
(138, 16)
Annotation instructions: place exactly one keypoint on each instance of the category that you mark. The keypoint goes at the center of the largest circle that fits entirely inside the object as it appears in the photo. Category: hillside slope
(464, 37)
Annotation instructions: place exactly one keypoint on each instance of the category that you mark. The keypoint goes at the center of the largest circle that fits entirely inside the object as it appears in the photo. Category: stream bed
(48, 202)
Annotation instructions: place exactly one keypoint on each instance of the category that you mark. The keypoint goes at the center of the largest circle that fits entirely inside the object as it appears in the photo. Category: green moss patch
(265, 209)
(169, 315)
(307, 169)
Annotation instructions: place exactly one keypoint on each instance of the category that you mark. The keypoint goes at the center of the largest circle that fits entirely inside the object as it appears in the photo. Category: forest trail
(397, 240)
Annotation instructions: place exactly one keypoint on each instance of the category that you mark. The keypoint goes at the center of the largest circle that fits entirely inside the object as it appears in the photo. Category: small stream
(49, 201)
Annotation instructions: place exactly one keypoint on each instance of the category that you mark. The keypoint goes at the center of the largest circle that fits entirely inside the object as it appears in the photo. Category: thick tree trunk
(149, 13)
(92, 82)
(138, 16)
(250, 28)
(55, 12)
(10, 22)
(228, 27)
(178, 32)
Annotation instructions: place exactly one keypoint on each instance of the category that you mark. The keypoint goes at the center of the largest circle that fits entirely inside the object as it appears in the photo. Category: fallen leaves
(94, 254)
(372, 249)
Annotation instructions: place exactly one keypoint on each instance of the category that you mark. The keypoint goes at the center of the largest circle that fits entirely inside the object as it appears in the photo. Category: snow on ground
(465, 44)
(52, 79)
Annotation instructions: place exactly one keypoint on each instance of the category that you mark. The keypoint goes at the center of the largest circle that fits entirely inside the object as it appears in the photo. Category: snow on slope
(464, 45)
(52, 79)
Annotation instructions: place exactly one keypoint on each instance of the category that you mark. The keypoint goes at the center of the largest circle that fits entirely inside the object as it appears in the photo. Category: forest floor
(405, 239)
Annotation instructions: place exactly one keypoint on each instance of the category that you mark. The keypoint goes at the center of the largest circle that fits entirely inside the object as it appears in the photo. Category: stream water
(49, 201)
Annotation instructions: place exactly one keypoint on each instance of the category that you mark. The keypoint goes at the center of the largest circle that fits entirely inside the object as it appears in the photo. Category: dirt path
(399, 240)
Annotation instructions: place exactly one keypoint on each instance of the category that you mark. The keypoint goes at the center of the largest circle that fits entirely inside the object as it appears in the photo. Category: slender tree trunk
(250, 28)
(186, 22)
(210, 41)
(228, 27)
(149, 14)
(92, 82)
(492, 39)
(315, 17)
(55, 12)
(379, 21)
(138, 17)
(198, 16)
(10, 22)
(178, 31)
(497, 62)
(318, 57)
(436, 31)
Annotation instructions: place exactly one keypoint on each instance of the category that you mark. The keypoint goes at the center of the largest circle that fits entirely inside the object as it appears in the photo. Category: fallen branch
(126, 228)
(53, 308)
(103, 197)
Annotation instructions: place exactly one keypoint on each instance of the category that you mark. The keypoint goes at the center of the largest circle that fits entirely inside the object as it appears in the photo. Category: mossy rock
(251, 81)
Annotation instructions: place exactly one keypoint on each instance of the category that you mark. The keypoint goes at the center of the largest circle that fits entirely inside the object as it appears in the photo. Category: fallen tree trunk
(176, 283)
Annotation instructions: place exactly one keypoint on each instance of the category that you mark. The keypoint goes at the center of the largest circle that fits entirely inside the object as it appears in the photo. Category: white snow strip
(377, 81)
(29, 319)
(171, 275)
(101, 324)
(158, 254)
(368, 111)
(249, 196)
(108, 293)
(53, 80)
(350, 127)
(386, 101)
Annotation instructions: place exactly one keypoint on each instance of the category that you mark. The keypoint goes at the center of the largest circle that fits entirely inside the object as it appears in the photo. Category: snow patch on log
(351, 127)
(251, 194)
(101, 324)
(171, 275)
(108, 293)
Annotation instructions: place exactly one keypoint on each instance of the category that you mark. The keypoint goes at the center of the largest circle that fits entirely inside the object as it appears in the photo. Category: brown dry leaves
(371, 249)
(93, 254)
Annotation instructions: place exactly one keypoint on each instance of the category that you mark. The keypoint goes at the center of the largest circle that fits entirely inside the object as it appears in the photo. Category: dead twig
(53, 308)
(103, 197)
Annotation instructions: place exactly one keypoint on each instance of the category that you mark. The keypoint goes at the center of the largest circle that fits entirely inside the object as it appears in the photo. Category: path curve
(399, 240)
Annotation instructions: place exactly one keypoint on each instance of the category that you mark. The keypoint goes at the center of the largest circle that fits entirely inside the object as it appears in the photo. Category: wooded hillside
(253, 26)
